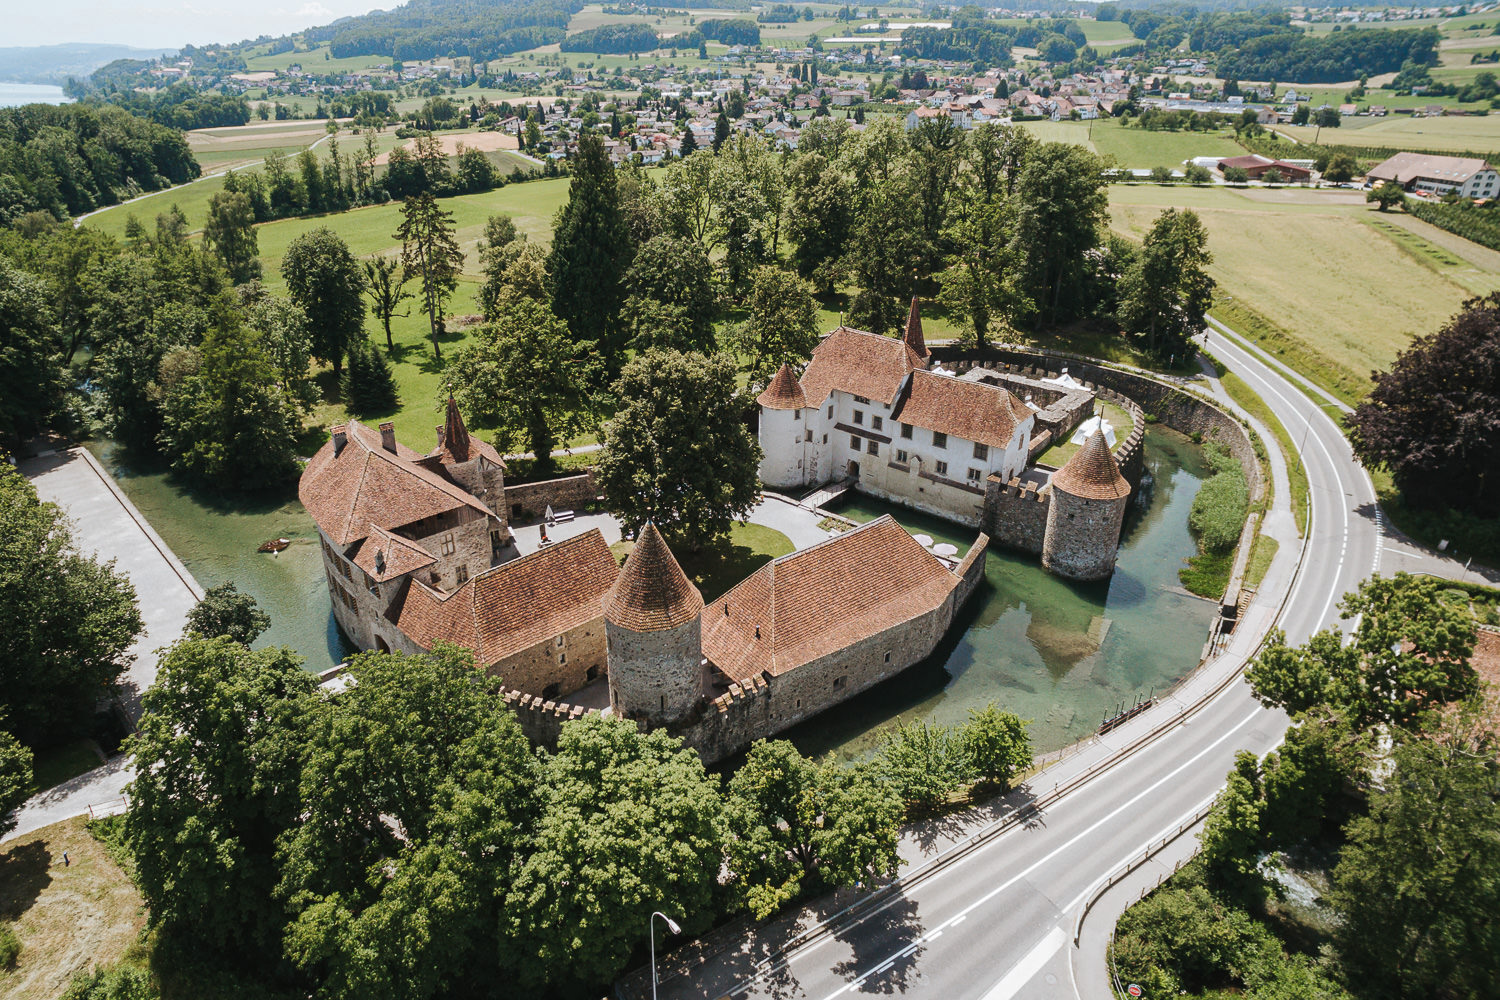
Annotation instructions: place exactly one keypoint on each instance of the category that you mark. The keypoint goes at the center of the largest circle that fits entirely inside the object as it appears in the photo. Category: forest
(427, 29)
(1346, 55)
(615, 39)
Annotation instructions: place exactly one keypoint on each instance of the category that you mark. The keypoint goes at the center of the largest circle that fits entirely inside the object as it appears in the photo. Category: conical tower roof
(653, 594)
(913, 335)
(784, 392)
(453, 441)
(1092, 473)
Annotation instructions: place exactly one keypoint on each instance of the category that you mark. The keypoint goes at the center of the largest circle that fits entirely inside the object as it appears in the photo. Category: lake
(13, 95)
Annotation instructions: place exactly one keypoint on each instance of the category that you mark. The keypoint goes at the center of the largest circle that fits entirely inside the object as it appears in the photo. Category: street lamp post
(651, 930)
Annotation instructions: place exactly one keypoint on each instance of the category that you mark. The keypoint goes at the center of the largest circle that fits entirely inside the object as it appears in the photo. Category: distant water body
(15, 94)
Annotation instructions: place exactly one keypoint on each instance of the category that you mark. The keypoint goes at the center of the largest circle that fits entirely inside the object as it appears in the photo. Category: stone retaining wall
(567, 493)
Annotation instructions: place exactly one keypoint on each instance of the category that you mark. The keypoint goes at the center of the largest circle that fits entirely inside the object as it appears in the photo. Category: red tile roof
(1092, 473)
(972, 411)
(386, 556)
(784, 392)
(913, 336)
(865, 364)
(823, 598)
(366, 485)
(653, 594)
(514, 605)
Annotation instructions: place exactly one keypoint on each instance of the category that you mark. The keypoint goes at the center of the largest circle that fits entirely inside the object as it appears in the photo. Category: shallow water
(1061, 654)
(216, 539)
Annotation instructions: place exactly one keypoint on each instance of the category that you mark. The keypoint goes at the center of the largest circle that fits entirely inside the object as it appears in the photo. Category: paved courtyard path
(106, 524)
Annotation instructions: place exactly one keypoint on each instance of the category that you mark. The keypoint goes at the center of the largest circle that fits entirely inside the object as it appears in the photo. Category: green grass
(1207, 573)
(1058, 455)
(1457, 132)
(55, 765)
(1137, 147)
(1467, 534)
(1252, 403)
(718, 568)
(1260, 559)
(317, 60)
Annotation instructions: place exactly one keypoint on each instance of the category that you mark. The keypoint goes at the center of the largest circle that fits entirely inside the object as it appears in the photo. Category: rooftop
(1092, 473)
(973, 411)
(861, 363)
(652, 594)
(784, 392)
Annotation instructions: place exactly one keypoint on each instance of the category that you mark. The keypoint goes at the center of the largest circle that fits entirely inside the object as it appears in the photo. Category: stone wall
(1083, 536)
(528, 501)
(542, 719)
(1016, 514)
(556, 667)
(655, 677)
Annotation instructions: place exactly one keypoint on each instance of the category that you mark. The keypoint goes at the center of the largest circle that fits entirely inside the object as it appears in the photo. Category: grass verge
(1274, 340)
(719, 567)
(1468, 535)
(1251, 402)
(1260, 559)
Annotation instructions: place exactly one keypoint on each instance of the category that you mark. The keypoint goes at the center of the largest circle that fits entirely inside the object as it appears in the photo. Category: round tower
(654, 636)
(1085, 514)
(782, 431)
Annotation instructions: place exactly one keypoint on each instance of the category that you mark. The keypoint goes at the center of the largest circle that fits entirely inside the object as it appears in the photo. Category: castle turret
(1086, 511)
(652, 627)
(913, 336)
(782, 463)
(469, 462)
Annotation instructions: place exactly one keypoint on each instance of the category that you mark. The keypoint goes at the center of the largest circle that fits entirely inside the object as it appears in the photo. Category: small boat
(274, 545)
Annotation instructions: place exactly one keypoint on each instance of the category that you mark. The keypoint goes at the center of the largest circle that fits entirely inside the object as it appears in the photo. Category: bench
(563, 516)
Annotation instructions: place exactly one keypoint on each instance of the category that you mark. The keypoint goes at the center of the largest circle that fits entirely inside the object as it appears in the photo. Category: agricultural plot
(1455, 132)
(315, 60)
(1339, 292)
(226, 148)
(1136, 147)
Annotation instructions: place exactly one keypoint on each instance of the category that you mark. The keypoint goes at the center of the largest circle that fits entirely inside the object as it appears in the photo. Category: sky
(166, 23)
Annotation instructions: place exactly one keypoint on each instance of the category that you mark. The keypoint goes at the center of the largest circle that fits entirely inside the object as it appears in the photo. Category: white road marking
(1029, 966)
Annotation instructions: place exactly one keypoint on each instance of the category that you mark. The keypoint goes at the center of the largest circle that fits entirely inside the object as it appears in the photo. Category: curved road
(998, 921)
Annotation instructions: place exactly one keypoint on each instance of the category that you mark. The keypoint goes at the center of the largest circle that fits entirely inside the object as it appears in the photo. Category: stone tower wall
(1082, 536)
(655, 677)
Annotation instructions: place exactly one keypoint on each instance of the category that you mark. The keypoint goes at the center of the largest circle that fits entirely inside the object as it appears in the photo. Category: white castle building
(868, 409)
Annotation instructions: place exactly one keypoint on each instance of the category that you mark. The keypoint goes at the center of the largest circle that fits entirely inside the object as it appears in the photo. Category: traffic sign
(1133, 990)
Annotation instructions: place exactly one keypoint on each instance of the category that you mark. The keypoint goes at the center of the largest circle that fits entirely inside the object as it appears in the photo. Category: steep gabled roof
(913, 336)
(1092, 473)
(972, 411)
(456, 444)
(517, 604)
(784, 392)
(653, 594)
(386, 556)
(823, 598)
(363, 485)
(864, 364)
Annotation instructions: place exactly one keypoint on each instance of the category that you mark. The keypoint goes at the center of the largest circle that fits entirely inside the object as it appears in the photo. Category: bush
(368, 386)
(1219, 509)
(119, 983)
(10, 946)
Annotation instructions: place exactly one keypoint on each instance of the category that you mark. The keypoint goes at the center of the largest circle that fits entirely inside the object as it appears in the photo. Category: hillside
(55, 63)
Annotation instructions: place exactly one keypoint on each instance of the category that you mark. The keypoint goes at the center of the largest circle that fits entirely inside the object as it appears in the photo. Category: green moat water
(1060, 654)
(1063, 655)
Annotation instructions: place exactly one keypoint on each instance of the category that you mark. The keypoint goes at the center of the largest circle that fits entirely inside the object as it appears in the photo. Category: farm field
(1340, 290)
(225, 148)
(1448, 132)
(315, 60)
(1136, 147)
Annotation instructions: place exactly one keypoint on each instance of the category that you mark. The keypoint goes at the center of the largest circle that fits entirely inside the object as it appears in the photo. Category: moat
(1060, 654)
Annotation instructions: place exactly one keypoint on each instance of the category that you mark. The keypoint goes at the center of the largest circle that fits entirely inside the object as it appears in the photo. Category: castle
(417, 549)
(873, 412)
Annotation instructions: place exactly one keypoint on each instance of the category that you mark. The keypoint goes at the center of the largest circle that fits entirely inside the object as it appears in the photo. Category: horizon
(172, 24)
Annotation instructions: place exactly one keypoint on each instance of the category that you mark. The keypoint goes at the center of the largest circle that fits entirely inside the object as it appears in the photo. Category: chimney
(340, 438)
(388, 437)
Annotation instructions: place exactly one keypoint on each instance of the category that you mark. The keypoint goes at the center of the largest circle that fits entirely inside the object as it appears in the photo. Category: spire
(913, 335)
(1092, 473)
(455, 436)
(784, 392)
(653, 594)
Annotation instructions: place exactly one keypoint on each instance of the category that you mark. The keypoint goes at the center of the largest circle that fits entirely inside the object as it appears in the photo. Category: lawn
(315, 60)
(1048, 131)
(1303, 273)
(1137, 147)
(67, 917)
(1239, 390)
(55, 765)
(718, 568)
(1058, 455)
(1456, 132)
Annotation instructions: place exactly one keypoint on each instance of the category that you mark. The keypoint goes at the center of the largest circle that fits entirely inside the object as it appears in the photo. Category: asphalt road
(999, 922)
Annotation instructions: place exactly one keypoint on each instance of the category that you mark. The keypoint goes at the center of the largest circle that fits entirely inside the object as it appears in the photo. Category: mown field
(1136, 147)
(1337, 288)
(1456, 132)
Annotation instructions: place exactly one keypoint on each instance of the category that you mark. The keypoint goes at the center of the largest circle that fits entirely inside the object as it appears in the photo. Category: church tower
(1089, 496)
(654, 635)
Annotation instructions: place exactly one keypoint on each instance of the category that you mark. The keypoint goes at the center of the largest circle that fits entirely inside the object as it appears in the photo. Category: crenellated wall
(1016, 514)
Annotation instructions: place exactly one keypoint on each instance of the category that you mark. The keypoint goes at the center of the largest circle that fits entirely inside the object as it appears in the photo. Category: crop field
(1447, 132)
(1136, 147)
(1074, 132)
(223, 148)
(315, 60)
(1339, 293)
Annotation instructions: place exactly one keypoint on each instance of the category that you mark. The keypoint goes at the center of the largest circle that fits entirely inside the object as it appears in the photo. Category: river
(1063, 655)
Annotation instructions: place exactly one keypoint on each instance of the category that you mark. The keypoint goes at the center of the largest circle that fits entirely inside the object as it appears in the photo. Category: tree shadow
(330, 389)
(885, 946)
(24, 873)
(939, 832)
(725, 958)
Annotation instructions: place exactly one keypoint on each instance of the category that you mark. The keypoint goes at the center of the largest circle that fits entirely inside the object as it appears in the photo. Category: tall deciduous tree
(673, 272)
(30, 370)
(998, 745)
(1063, 206)
(327, 282)
(225, 611)
(821, 217)
(1410, 654)
(1433, 420)
(677, 450)
(591, 252)
(782, 327)
(798, 828)
(386, 278)
(1166, 290)
(525, 376)
(66, 620)
(229, 230)
(924, 763)
(431, 254)
(218, 761)
(630, 823)
(15, 778)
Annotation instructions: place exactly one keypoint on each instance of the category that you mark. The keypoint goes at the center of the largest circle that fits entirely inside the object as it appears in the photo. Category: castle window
(859, 416)
(974, 475)
(461, 575)
(562, 658)
(981, 451)
(825, 438)
(559, 642)
(876, 422)
(592, 673)
(860, 399)
(939, 439)
(854, 442)
(448, 545)
(830, 411)
(902, 457)
(809, 435)
(874, 448)
(888, 656)
(663, 703)
(906, 431)
(941, 468)
(838, 682)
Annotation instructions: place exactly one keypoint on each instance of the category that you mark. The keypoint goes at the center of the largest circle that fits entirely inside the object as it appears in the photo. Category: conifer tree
(368, 386)
(590, 252)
